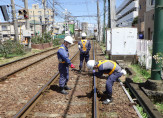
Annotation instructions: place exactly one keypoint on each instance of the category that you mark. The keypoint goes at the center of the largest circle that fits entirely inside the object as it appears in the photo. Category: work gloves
(72, 66)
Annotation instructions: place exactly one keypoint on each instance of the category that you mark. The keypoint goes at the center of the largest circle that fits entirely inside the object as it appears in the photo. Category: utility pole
(34, 24)
(104, 21)
(15, 20)
(27, 20)
(53, 12)
(53, 17)
(98, 20)
(157, 40)
(66, 22)
(44, 3)
(109, 16)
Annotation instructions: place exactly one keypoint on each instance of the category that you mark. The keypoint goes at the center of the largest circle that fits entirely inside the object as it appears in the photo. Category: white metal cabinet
(122, 41)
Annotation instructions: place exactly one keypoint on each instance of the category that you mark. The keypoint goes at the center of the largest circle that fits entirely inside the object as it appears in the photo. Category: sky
(75, 7)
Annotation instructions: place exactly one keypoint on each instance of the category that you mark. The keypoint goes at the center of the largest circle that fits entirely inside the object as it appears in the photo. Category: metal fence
(144, 52)
(59, 36)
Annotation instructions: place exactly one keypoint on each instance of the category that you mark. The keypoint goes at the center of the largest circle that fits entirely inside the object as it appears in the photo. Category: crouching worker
(64, 63)
(84, 47)
(111, 68)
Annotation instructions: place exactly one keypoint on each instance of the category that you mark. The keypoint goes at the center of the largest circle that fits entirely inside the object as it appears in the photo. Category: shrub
(11, 47)
(56, 42)
(44, 38)
(18, 48)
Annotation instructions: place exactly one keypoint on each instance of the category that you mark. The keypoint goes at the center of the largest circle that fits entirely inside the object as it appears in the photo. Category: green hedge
(11, 47)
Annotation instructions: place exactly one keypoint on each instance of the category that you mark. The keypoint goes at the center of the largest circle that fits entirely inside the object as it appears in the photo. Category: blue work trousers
(110, 81)
(82, 57)
(64, 74)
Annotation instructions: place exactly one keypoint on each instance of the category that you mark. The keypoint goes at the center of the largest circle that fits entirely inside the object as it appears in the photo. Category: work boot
(79, 69)
(105, 92)
(67, 88)
(107, 101)
(63, 91)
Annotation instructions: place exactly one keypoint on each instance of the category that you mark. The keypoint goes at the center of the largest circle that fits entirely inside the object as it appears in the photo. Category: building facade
(113, 13)
(149, 19)
(84, 27)
(7, 30)
(126, 13)
(141, 22)
(37, 14)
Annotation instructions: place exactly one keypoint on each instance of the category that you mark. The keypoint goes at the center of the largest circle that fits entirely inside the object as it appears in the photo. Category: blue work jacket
(63, 55)
(88, 47)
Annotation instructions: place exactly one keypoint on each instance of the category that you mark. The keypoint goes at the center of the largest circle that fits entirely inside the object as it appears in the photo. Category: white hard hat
(84, 34)
(69, 39)
(90, 64)
(123, 71)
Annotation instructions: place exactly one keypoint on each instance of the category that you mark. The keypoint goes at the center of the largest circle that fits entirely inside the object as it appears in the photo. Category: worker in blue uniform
(107, 67)
(64, 63)
(84, 47)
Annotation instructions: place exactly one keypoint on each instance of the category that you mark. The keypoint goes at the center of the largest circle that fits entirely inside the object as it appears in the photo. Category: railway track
(84, 100)
(10, 68)
(20, 87)
(121, 105)
(78, 103)
(31, 93)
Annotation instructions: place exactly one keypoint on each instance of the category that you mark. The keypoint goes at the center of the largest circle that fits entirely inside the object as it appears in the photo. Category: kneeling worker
(107, 67)
(64, 63)
(84, 47)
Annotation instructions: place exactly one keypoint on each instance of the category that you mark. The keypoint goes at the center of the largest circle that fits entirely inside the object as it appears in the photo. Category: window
(153, 17)
(39, 12)
(35, 7)
(4, 27)
(31, 28)
(152, 2)
(5, 35)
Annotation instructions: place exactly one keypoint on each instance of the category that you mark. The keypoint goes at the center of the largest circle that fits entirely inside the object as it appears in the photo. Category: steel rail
(9, 74)
(94, 88)
(24, 111)
(27, 57)
(131, 100)
(30, 56)
(5, 77)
